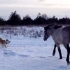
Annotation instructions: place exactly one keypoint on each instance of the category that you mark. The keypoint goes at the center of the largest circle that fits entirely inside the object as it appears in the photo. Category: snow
(25, 53)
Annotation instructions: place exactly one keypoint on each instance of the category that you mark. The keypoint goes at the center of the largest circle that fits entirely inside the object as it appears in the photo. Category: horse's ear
(44, 28)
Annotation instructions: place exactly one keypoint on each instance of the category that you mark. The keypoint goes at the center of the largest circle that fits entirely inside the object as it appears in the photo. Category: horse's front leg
(59, 50)
(54, 50)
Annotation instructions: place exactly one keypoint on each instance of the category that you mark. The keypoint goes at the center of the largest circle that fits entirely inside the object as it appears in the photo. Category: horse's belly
(58, 41)
(61, 40)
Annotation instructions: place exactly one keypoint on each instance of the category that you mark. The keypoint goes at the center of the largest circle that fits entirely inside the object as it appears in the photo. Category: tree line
(15, 20)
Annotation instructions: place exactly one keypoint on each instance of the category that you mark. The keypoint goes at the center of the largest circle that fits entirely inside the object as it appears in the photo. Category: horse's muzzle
(44, 39)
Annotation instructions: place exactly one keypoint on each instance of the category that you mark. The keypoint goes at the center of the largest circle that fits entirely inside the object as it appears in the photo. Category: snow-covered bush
(32, 32)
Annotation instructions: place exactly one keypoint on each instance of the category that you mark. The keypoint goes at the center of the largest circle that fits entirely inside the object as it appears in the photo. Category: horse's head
(47, 32)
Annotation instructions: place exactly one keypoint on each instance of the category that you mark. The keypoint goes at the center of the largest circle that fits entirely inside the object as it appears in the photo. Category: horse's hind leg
(67, 59)
(54, 50)
(68, 51)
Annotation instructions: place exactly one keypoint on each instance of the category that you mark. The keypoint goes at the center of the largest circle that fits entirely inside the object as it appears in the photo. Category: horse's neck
(57, 32)
(52, 31)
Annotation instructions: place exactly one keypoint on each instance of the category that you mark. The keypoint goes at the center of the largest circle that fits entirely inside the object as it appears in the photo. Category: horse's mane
(52, 26)
(57, 26)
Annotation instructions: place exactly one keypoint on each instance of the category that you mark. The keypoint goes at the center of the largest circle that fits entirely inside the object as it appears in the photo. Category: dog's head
(7, 41)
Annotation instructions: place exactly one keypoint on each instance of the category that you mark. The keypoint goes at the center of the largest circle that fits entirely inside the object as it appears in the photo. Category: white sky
(36, 3)
(59, 8)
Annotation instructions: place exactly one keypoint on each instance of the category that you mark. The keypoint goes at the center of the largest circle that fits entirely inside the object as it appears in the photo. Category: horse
(60, 35)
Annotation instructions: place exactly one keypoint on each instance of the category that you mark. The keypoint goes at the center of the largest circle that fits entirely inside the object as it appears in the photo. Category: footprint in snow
(9, 53)
(24, 55)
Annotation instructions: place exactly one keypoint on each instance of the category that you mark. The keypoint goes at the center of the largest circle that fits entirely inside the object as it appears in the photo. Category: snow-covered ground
(29, 53)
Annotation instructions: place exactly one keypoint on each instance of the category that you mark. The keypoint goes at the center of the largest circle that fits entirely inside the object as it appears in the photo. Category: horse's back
(62, 35)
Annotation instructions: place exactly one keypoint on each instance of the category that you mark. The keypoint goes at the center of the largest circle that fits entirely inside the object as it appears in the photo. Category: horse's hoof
(53, 54)
(68, 63)
(60, 58)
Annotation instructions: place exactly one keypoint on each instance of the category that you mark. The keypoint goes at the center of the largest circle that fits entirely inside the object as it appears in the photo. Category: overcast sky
(59, 8)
